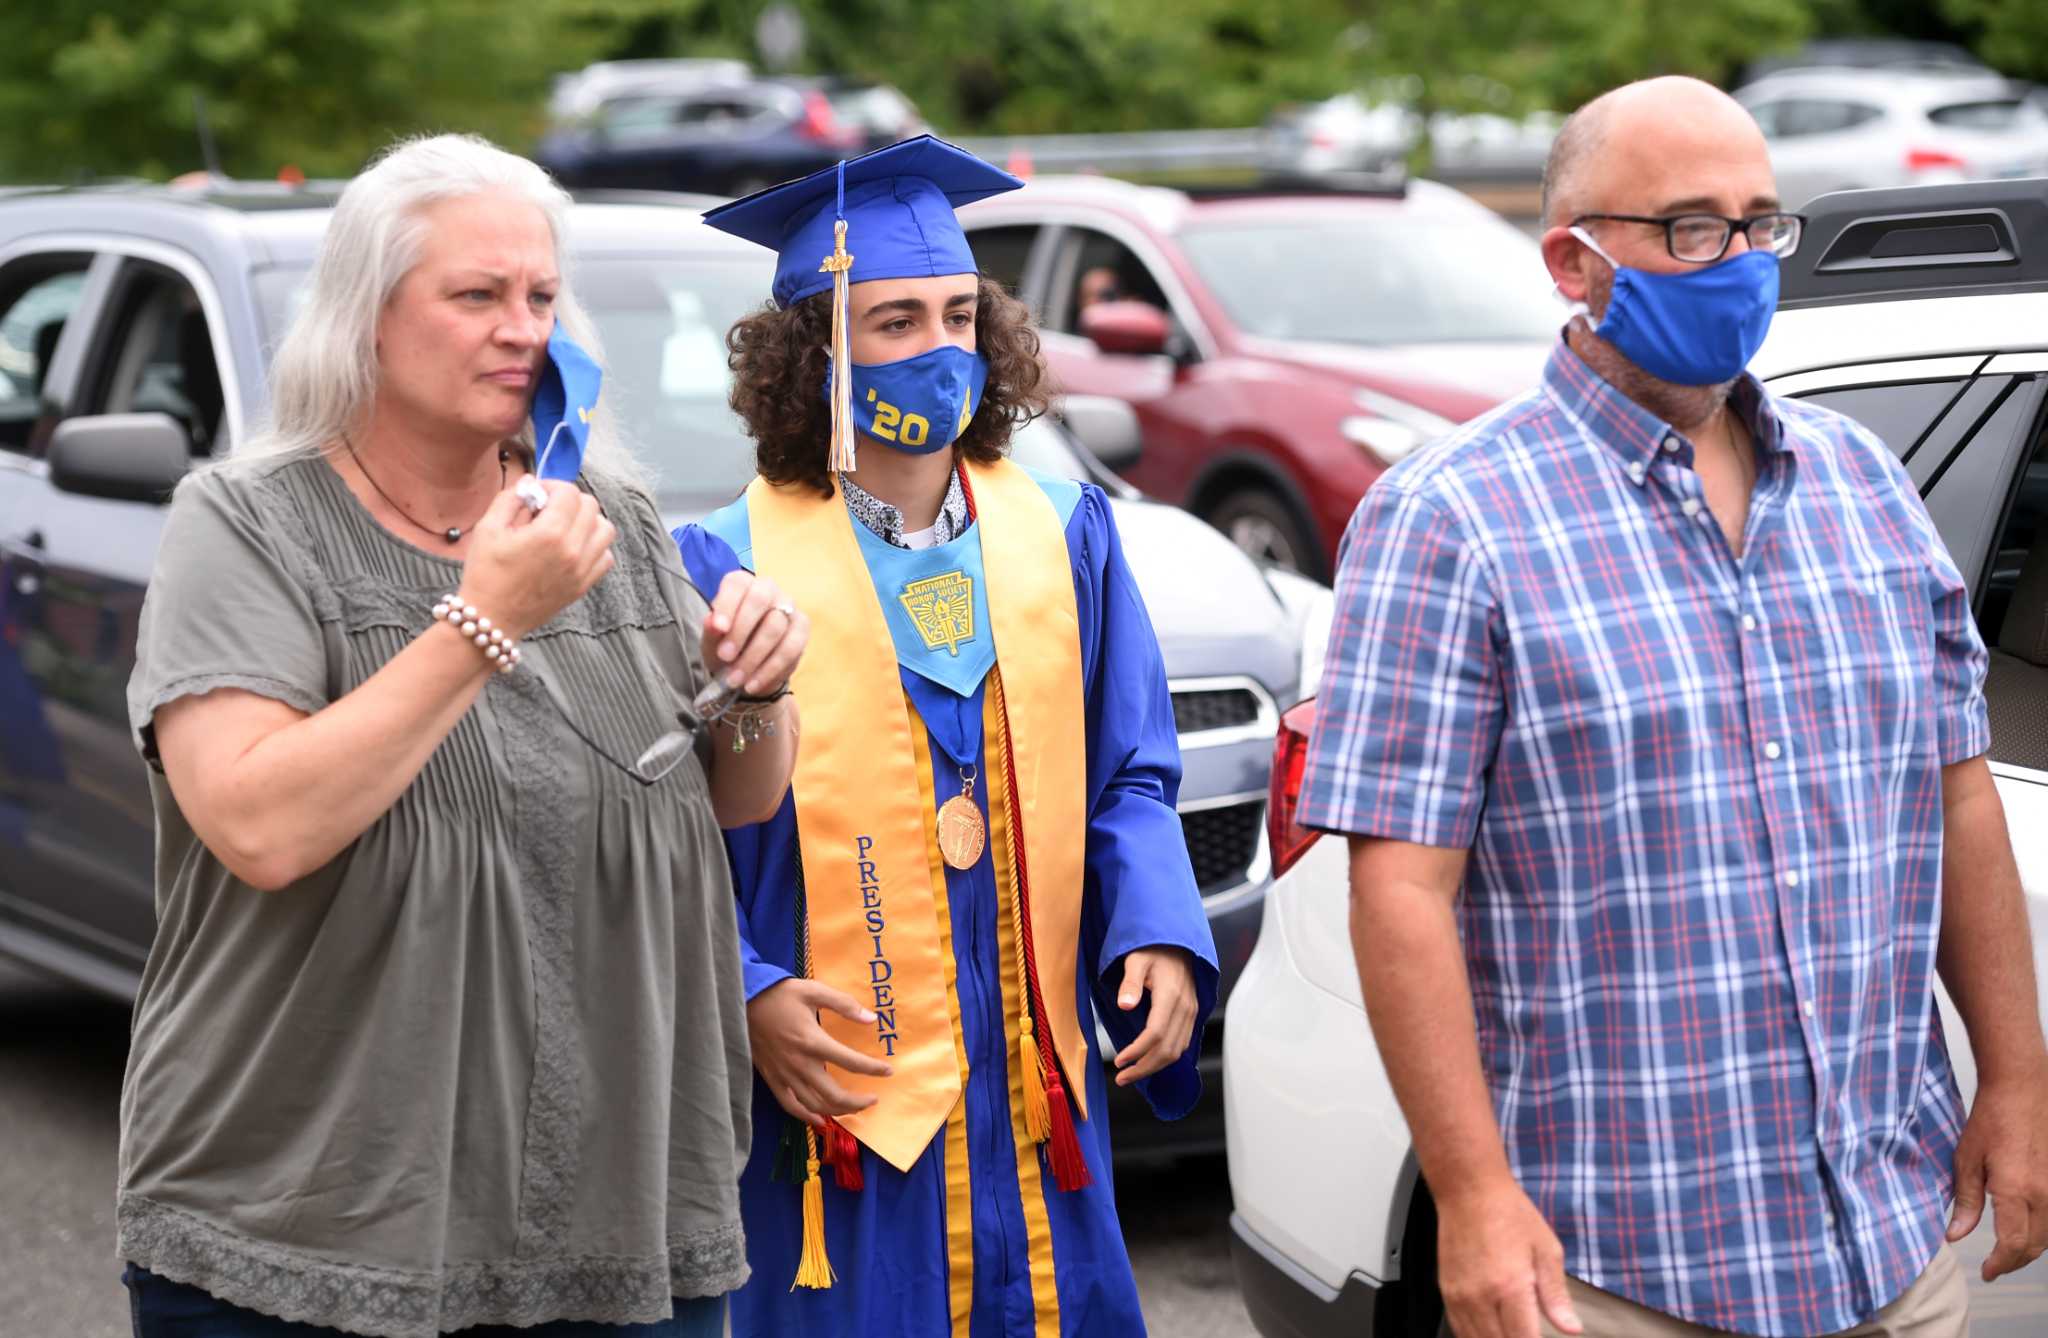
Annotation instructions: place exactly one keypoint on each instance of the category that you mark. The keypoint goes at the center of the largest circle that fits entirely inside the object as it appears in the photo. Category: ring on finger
(786, 609)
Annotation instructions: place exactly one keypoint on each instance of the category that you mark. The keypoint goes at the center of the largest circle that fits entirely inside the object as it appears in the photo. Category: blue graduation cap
(897, 204)
(562, 405)
(884, 215)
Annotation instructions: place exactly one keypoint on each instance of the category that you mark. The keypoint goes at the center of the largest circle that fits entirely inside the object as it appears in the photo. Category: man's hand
(2004, 1150)
(791, 1049)
(1169, 973)
(1499, 1265)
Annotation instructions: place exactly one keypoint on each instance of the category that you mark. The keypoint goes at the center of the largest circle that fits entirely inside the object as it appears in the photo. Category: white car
(1923, 313)
(1832, 130)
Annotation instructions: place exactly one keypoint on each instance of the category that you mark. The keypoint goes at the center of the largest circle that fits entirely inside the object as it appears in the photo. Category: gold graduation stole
(864, 827)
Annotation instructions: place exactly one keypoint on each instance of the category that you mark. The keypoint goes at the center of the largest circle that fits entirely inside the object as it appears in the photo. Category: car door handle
(25, 556)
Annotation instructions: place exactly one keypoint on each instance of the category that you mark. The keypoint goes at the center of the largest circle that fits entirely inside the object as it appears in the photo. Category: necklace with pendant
(453, 534)
(962, 833)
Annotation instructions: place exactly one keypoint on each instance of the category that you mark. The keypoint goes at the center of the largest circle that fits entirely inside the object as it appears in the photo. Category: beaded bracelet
(499, 649)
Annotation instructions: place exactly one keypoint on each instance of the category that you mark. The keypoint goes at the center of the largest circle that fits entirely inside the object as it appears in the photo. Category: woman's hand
(753, 637)
(791, 1049)
(524, 567)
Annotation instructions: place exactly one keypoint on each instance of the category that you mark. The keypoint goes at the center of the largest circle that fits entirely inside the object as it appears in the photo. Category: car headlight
(1310, 606)
(1391, 428)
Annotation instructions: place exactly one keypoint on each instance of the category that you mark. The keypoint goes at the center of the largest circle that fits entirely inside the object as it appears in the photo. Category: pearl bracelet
(499, 649)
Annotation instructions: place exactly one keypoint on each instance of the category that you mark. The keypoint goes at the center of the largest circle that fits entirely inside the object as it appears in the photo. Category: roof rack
(1916, 241)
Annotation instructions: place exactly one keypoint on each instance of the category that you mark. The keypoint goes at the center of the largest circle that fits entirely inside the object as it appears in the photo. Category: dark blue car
(727, 138)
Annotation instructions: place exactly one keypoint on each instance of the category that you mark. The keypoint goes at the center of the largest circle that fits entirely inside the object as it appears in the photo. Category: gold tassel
(838, 265)
(813, 1270)
(1037, 1115)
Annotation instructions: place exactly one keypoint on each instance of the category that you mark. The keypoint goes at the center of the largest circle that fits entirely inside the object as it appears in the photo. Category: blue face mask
(921, 404)
(1699, 327)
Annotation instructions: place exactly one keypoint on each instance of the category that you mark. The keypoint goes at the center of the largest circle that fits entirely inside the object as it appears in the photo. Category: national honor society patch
(942, 607)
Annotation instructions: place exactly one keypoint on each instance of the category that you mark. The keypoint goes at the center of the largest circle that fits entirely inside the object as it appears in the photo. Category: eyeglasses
(666, 753)
(659, 758)
(1701, 239)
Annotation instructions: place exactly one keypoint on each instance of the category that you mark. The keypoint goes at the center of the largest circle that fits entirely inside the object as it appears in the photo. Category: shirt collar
(1634, 434)
(885, 522)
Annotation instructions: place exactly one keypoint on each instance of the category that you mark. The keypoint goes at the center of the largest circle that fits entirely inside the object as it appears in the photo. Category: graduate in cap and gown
(980, 855)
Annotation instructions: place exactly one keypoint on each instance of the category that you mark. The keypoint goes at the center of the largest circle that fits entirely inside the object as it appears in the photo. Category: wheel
(1269, 529)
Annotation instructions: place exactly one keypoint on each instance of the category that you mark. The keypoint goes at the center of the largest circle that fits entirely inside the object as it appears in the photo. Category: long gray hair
(323, 378)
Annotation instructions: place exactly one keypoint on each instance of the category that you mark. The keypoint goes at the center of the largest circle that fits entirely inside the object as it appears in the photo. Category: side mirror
(1107, 427)
(128, 457)
(1127, 326)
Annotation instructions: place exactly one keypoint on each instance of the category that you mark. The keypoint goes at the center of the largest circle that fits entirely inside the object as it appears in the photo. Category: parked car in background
(1281, 350)
(727, 137)
(1833, 130)
(1921, 313)
(579, 95)
(134, 330)
(1355, 139)
(1896, 54)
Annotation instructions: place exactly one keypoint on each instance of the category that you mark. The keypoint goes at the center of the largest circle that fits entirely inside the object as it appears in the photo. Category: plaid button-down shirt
(1703, 796)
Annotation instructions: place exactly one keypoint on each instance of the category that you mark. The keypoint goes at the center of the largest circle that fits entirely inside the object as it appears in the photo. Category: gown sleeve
(1139, 888)
(759, 853)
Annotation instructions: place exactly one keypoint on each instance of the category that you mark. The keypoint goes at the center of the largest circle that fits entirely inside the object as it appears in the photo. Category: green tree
(2010, 35)
(113, 86)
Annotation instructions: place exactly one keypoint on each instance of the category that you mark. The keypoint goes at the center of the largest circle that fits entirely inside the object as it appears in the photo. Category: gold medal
(962, 835)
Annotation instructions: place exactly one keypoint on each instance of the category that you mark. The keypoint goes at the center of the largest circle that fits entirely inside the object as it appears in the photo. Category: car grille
(1222, 843)
(1213, 708)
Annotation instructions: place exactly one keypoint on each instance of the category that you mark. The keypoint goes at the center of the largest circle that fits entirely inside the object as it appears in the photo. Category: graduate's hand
(791, 1049)
(1169, 973)
(753, 635)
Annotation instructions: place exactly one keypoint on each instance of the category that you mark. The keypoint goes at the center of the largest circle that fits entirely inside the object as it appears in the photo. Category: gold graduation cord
(1047, 1118)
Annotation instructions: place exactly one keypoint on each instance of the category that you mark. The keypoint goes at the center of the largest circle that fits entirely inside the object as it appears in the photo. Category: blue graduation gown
(888, 1242)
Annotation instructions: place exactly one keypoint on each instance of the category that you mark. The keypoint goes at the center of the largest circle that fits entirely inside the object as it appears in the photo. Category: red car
(1280, 350)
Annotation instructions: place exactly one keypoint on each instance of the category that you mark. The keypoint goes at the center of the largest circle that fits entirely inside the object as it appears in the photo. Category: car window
(38, 293)
(156, 356)
(1099, 268)
(873, 110)
(1376, 280)
(1789, 118)
(1899, 414)
(1003, 252)
(1988, 114)
(2014, 616)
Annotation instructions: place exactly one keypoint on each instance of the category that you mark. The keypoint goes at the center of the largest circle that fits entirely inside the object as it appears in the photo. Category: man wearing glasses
(1654, 712)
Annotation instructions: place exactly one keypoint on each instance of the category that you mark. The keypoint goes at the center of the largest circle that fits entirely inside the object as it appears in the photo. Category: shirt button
(1772, 750)
(1749, 622)
(1636, 470)
(1808, 1006)
(1792, 879)
(1670, 445)
(1691, 506)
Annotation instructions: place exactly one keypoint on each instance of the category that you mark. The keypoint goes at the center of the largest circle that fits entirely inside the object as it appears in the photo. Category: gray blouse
(489, 1065)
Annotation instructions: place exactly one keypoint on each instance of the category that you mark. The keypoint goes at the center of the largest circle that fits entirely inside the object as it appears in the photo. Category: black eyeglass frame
(1730, 226)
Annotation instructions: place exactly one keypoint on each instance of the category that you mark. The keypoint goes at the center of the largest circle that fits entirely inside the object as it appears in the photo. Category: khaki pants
(1935, 1306)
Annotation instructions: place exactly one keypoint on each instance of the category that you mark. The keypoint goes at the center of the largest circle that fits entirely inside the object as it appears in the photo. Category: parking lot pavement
(61, 1053)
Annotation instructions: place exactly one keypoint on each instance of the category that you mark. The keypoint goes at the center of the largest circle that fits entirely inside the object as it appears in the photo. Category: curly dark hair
(778, 360)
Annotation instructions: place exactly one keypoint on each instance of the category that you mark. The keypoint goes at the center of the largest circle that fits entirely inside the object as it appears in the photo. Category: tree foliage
(112, 87)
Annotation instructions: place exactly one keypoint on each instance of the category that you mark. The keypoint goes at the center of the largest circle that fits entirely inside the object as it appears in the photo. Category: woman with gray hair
(442, 1028)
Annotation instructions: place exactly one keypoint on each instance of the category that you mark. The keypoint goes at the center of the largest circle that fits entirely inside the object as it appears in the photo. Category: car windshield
(663, 321)
(1376, 281)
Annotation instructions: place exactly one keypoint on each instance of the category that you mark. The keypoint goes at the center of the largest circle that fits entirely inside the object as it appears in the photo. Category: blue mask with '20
(1699, 327)
(919, 404)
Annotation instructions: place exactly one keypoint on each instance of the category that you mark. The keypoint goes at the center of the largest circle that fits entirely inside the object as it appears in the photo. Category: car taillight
(1288, 839)
(1934, 160)
(818, 122)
